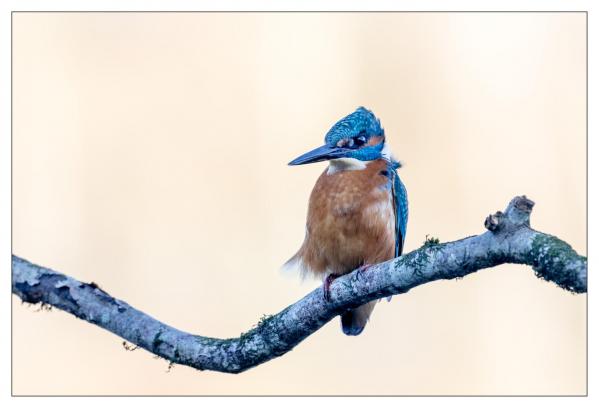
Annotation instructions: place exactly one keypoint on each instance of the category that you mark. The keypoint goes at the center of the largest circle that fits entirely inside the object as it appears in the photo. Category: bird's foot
(362, 269)
(326, 287)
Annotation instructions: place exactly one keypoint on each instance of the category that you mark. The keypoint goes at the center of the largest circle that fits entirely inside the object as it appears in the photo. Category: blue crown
(362, 121)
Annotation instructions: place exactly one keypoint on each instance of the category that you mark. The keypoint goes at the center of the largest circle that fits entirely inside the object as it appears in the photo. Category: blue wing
(400, 198)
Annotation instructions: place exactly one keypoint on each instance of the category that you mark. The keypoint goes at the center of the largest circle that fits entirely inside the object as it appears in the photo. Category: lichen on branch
(509, 239)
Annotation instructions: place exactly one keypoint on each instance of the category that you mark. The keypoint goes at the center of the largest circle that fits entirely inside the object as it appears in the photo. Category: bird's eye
(360, 140)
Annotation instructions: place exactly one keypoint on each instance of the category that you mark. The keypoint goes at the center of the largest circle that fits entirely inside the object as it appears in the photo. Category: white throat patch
(344, 164)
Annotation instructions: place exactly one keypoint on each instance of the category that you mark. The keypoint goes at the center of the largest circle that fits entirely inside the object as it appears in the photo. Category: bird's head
(358, 136)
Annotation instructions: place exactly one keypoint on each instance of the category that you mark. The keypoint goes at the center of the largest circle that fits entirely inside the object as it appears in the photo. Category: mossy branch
(509, 239)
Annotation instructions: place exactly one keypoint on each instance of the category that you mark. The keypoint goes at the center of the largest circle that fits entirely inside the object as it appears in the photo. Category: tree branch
(509, 240)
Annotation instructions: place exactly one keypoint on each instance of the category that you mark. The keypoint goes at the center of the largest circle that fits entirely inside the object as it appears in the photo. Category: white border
(279, 5)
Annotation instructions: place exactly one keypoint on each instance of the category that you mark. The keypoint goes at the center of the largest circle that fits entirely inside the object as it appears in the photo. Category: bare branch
(509, 240)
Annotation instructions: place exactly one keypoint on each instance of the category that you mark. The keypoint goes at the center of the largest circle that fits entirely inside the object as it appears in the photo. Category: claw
(327, 286)
(362, 269)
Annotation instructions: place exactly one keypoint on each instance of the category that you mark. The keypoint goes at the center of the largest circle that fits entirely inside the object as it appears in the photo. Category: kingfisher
(358, 208)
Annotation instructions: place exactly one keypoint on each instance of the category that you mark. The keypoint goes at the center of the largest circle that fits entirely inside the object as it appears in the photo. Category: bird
(357, 211)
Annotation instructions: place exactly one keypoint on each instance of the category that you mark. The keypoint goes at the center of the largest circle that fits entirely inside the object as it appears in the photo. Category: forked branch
(509, 239)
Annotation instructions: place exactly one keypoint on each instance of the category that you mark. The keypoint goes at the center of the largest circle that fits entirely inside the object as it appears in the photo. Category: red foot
(362, 269)
(326, 287)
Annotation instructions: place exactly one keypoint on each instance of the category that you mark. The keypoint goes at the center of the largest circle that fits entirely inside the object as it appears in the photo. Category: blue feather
(361, 121)
(400, 198)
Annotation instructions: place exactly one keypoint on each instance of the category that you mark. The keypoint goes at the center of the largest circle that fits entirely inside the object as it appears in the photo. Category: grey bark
(509, 239)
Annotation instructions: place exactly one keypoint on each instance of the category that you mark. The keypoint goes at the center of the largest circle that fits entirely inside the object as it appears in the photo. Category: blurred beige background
(149, 155)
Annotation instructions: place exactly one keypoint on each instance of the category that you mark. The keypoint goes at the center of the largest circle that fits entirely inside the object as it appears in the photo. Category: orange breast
(350, 221)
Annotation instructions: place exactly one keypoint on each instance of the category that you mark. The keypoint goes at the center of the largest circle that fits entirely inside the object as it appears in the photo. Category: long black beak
(319, 154)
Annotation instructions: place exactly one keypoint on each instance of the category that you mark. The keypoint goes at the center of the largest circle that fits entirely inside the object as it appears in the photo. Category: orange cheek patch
(375, 140)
